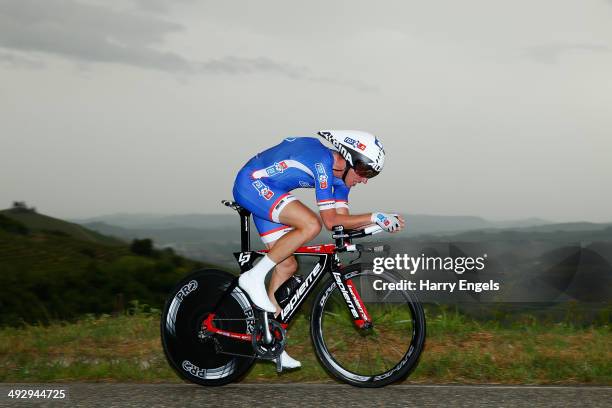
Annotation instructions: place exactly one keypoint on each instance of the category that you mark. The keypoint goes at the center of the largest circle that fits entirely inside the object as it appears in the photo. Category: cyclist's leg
(282, 271)
(306, 226)
(270, 232)
(265, 201)
(286, 222)
(270, 202)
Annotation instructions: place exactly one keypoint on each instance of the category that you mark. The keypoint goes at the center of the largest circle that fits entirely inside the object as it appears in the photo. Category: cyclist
(263, 187)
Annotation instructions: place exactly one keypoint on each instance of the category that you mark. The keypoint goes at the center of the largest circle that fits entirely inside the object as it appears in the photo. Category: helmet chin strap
(346, 170)
(347, 167)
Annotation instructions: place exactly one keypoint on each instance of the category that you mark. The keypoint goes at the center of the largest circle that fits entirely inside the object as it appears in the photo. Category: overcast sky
(501, 109)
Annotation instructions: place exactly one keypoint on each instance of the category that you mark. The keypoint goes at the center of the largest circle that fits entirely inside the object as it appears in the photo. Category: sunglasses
(363, 170)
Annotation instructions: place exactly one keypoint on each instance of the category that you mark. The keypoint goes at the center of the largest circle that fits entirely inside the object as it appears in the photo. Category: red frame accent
(312, 249)
(365, 316)
(208, 325)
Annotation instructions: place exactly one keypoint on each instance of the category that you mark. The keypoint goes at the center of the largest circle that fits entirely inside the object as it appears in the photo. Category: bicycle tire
(342, 361)
(190, 301)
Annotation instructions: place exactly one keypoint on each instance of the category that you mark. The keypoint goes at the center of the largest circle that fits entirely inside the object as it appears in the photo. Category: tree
(143, 247)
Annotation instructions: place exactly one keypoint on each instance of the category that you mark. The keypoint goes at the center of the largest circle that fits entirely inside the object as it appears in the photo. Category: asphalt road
(293, 395)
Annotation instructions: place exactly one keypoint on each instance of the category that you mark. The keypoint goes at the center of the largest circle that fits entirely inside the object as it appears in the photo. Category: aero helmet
(362, 151)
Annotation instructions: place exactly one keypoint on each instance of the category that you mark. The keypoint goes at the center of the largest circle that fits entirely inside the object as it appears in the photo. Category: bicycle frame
(328, 262)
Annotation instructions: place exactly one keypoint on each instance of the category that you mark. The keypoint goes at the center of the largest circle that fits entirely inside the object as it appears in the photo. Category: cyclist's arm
(326, 199)
(342, 210)
(340, 216)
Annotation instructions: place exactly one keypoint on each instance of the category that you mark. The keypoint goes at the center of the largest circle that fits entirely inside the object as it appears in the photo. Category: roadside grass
(458, 350)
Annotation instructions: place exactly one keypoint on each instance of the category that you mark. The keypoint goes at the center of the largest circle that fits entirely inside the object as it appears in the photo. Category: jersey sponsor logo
(276, 168)
(305, 184)
(384, 220)
(264, 190)
(355, 143)
(321, 175)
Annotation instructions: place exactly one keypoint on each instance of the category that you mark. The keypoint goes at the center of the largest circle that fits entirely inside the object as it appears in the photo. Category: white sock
(253, 283)
(262, 267)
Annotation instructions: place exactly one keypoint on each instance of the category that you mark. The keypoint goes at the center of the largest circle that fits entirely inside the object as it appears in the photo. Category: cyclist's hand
(388, 222)
(401, 220)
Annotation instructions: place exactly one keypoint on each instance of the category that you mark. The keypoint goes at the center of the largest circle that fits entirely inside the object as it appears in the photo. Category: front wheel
(374, 357)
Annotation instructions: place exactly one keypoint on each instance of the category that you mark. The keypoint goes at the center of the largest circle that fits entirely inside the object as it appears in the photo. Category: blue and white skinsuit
(263, 185)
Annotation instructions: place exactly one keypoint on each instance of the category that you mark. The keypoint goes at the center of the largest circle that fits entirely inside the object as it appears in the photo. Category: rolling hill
(51, 269)
(36, 222)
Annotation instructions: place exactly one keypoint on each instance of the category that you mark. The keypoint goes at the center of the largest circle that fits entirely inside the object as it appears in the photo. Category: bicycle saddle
(233, 205)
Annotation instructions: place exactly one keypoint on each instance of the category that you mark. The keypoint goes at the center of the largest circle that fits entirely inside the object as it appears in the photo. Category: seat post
(245, 233)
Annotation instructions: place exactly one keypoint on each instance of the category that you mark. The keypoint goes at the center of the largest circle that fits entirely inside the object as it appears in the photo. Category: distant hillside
(214, 245)
(152, 221)
(203, 239)
(560, 233)
(433, 224)
(42, 223)
(416, 223)
(569, 226)
(51, 270)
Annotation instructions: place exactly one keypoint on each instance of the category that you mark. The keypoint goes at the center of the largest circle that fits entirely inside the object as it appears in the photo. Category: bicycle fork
(361, 317)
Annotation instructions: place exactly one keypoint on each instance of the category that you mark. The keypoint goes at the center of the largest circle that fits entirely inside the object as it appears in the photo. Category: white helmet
(362, 151)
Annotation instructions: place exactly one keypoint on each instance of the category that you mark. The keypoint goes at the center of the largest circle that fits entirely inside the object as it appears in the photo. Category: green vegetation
(127, 348)
(56, 270)
(36, 222)
(53, 272)
(10, 225)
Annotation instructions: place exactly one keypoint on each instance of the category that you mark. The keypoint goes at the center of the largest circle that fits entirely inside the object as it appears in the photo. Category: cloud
(88, 33)
(94, 33)
(157, 6)
(238, 65)
(551, 53)
(15, 60)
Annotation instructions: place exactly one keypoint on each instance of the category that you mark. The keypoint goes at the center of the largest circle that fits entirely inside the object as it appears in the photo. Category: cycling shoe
(288, 362)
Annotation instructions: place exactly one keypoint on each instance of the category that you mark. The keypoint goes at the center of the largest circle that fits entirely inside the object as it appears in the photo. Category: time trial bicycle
(212, 333)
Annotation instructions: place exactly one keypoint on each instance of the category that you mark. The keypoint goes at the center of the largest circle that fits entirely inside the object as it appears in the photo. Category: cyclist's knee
(312, 227)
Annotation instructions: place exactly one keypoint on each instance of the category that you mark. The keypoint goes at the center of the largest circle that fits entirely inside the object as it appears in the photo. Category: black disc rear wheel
(194, 354)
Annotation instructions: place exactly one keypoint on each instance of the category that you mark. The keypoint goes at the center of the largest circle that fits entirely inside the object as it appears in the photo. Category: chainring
(279, 340)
